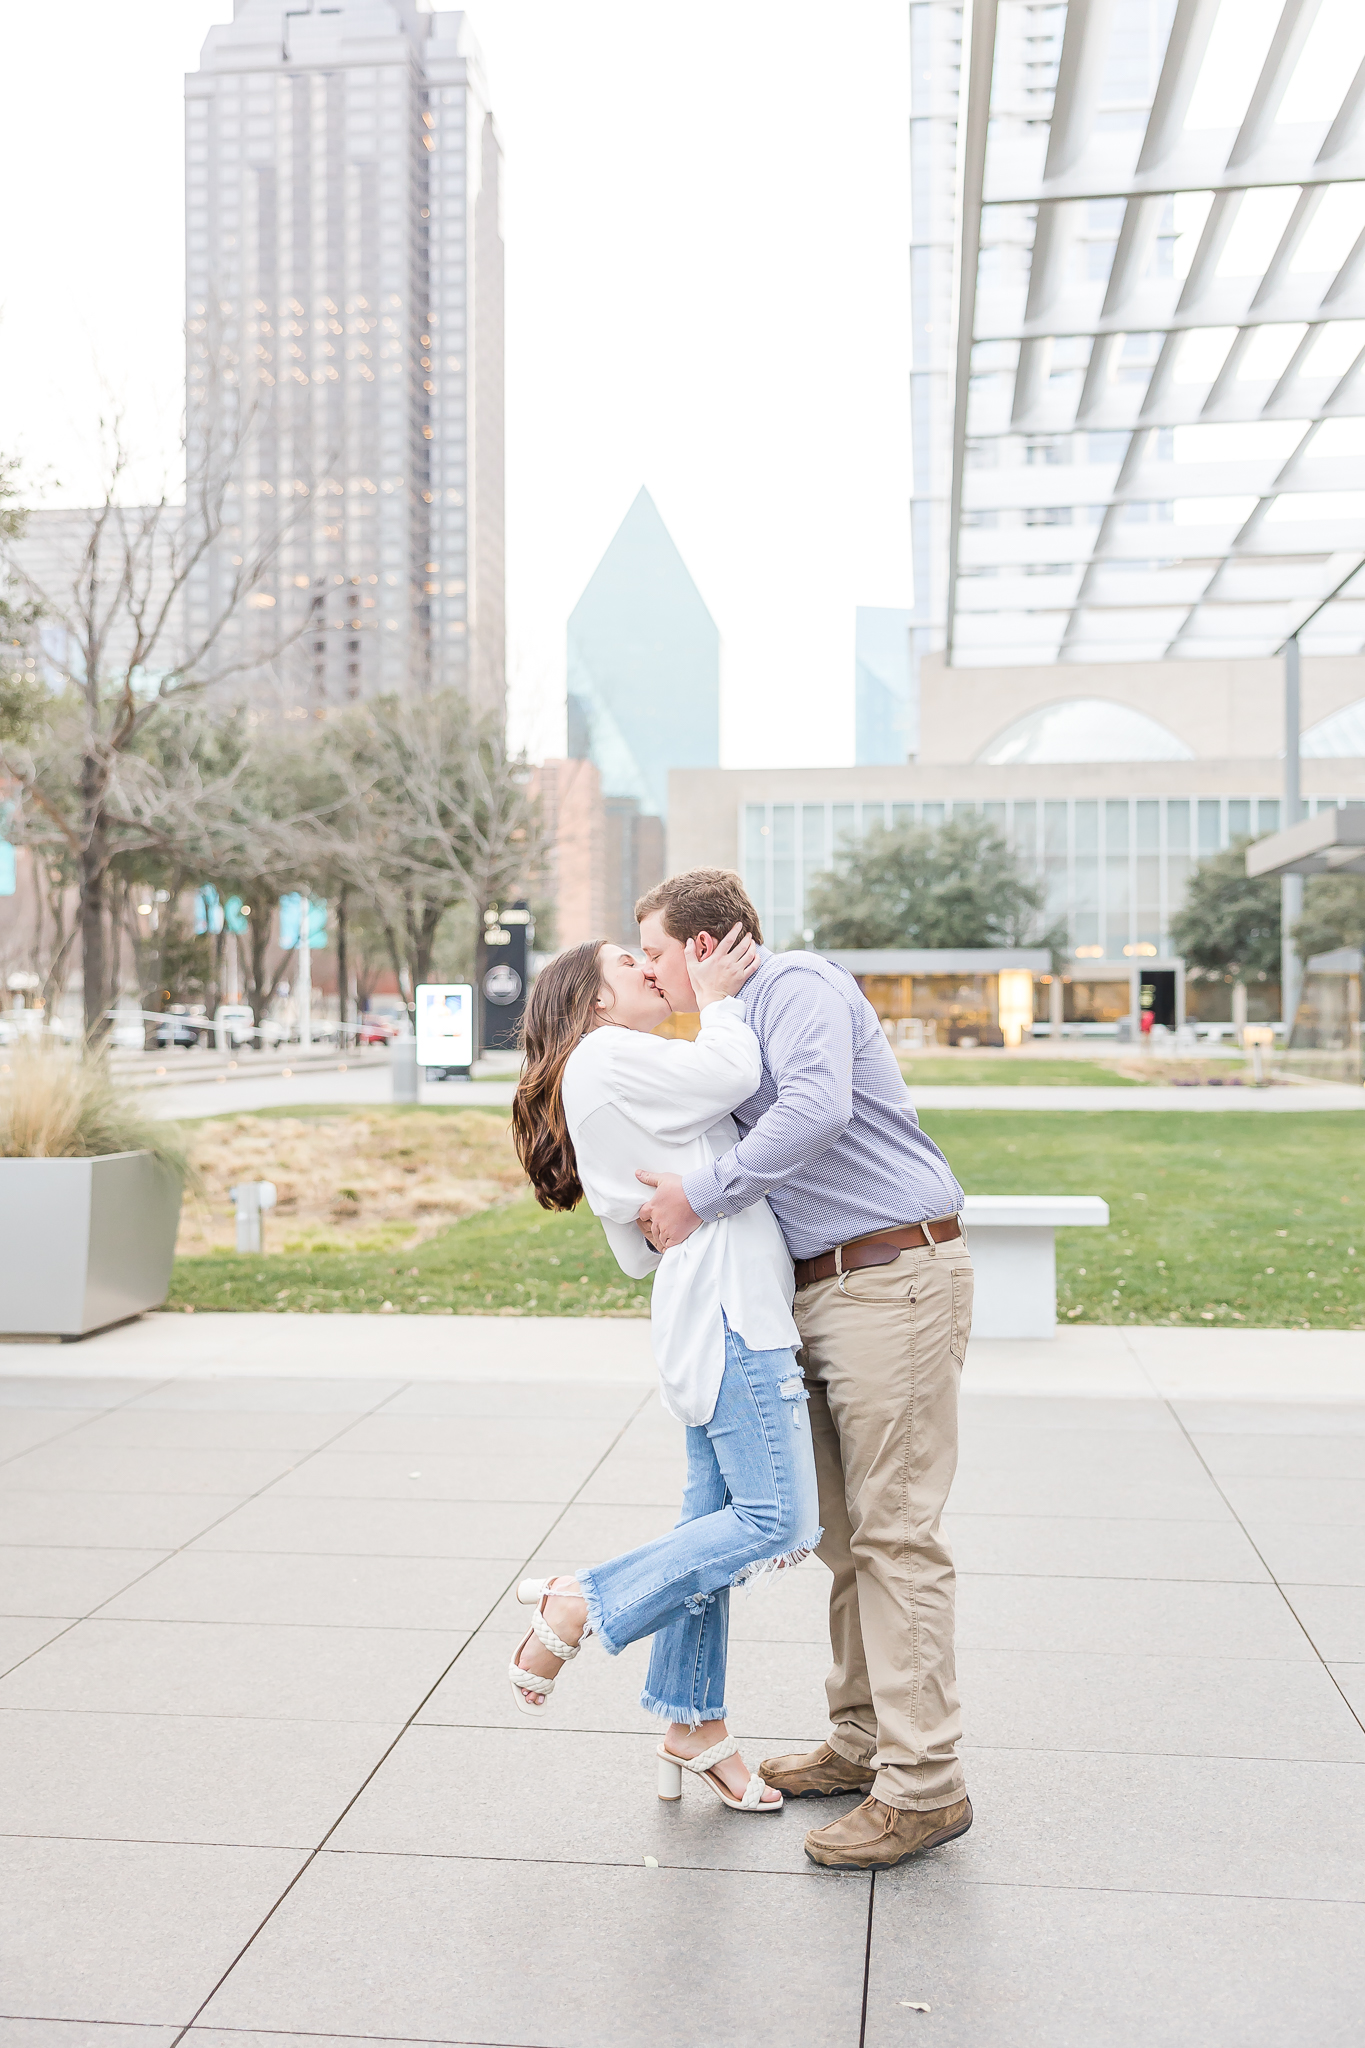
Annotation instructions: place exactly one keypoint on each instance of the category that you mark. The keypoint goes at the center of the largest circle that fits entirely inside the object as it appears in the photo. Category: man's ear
(704, 944)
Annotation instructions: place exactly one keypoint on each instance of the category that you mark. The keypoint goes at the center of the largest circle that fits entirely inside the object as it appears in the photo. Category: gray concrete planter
(83, 1242)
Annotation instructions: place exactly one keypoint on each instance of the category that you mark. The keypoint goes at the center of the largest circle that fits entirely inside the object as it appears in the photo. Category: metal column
(1291, 886)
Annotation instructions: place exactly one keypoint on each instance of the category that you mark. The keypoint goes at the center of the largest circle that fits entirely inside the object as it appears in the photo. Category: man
(869, 1209)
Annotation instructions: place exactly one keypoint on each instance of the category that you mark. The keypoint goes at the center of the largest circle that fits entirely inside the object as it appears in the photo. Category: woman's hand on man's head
(725, 969)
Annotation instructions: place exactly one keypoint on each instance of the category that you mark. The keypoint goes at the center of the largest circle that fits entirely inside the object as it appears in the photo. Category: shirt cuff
(702, 1189)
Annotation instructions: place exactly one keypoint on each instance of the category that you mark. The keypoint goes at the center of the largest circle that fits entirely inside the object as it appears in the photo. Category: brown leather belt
(879, 1250)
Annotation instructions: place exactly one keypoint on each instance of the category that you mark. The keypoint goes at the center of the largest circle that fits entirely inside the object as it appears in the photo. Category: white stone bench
(1014, 1255)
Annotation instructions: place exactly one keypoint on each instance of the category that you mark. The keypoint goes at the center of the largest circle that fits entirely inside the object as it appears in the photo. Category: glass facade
(1116, 871)
(644, 676)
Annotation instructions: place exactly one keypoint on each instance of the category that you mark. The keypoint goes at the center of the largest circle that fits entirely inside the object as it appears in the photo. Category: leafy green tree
(958, 885)
(1333, 914)
(1229, 922)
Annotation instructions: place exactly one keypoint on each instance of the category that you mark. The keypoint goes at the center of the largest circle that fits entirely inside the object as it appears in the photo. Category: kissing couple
(811, 1306)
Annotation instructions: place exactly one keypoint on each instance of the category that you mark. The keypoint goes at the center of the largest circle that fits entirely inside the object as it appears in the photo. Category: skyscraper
(644, 665)
(344, 277)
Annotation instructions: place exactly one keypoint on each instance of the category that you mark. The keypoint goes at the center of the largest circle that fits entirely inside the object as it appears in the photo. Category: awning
(1332, 843)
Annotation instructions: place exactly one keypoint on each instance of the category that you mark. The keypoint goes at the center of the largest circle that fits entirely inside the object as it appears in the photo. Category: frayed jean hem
(588, 1587)
(682, 1717)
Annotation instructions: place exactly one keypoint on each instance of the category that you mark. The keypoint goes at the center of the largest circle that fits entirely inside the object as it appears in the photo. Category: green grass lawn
(1201, 1207)
(1233, 1218)
(1004, 1071)
(518, 1259)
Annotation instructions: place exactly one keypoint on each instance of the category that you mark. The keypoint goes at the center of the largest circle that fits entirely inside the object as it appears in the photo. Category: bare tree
(116, 650)
(433, 813)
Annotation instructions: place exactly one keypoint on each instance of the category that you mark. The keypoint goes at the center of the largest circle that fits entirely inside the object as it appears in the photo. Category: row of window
(1114, 869)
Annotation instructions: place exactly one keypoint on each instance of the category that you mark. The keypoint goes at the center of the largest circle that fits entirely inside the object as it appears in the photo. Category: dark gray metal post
(1291, 886)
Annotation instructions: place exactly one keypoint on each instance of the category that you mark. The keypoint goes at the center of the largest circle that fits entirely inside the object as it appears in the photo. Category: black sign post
(507, 937)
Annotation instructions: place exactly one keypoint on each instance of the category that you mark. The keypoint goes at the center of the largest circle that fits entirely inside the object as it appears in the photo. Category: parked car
(376, 1030)
(176, 1030)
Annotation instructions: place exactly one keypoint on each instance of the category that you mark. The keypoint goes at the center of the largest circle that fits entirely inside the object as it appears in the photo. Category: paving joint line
(178, 1549)
(314, 1853)
(1256, 1548)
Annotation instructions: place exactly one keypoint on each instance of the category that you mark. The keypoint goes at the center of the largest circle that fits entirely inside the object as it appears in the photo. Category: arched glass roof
(1341, 737)
(1084, 729)
(1159, 428)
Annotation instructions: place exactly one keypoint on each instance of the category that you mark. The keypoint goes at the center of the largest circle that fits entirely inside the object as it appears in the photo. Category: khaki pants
(883, 1354)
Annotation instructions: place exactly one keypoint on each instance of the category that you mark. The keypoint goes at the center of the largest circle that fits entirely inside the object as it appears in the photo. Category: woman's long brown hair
(563, 1006)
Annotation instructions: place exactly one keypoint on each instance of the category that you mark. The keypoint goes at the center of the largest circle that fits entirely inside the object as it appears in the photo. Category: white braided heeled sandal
(534, 1593)
(751, 1799)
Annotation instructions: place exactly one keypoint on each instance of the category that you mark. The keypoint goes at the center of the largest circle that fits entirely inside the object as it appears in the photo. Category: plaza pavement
(263, 1780)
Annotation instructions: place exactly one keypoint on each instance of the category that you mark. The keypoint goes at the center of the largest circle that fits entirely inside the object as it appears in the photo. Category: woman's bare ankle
(685, 1740)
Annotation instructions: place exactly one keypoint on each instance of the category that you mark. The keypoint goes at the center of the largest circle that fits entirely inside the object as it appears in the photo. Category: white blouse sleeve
(676, 1089)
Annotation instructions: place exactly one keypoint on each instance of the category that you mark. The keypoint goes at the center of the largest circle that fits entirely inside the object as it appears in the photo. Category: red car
(376, 1030)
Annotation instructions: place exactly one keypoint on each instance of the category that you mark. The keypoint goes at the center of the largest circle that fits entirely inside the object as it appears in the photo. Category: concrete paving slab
(1166, 1618)
(329, 1591)
(514, 1952)
(392, 1348)
(635, 1482)
(1094, 1822)
(23, 2033)
(991, 1447)
(1079, 1548)
(394, 1432)
(53, 1383)
(130, 1932)
(68, 1582)
(115, 1521)
(139, 1428)
(1300, 1366)
(1334, 1617)
(1009, 1406)
(1351, 1679)
(545, 1400)
(226, 1669)
(22, 1429)
(1314, 1554)
(167, 1778)
(1282, 1454)
(588, 1533)
(1117, 1488)
(1277, 1418)
(1279, 1497)
(385, 1528)
(1058, 1698)
(83, 1468)
(21, 1636)
(1004, 1964)
(341, 1474)
(581, 1797)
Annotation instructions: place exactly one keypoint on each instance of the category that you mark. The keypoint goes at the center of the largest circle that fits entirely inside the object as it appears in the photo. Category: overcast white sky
(707, 221)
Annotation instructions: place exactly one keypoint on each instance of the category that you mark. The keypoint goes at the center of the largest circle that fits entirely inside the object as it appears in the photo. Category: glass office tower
(644, 665)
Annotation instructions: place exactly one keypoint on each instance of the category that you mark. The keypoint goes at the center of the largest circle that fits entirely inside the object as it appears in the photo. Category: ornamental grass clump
(60, 1104)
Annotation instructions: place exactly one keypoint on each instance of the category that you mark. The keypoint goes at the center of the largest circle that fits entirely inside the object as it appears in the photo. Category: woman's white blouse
(632, 1100)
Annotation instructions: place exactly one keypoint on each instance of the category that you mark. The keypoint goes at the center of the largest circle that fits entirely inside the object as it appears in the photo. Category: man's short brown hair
(703, 900)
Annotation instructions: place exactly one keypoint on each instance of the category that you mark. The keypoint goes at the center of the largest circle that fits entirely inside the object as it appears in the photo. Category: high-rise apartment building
(344, 277)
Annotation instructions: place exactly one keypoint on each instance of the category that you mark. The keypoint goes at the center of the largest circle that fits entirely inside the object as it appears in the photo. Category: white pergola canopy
(1159, 429)
(1333, 843)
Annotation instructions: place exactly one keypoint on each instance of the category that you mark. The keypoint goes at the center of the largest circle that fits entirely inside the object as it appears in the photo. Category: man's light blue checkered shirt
(830, 1136)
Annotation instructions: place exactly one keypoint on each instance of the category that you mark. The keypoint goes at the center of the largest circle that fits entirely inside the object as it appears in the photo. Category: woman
(600, 1098)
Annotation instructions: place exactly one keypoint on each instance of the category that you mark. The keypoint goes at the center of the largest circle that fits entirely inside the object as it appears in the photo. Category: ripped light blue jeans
(750, 1504)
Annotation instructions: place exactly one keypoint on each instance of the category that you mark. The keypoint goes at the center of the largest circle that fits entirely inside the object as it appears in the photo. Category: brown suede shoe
(815, 1770)
(876, 1837)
